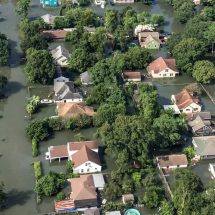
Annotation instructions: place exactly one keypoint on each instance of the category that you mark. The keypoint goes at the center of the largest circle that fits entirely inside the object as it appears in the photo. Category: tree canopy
(40, 66)
(4, 49)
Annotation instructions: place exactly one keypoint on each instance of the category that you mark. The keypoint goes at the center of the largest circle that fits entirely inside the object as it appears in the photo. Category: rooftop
(131, 75)
(172, 160)
(74, 146)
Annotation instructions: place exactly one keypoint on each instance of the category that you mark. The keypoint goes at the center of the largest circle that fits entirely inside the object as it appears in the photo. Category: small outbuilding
(127, 198)
(99, 181)
(113, 213)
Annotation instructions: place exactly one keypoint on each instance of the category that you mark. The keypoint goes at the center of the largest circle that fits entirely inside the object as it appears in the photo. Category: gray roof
(59, 52)
(98, 180)
(204, 115)
(85, 78)
(92, 211)
(66, 90)
(204, 145)
(198, 123)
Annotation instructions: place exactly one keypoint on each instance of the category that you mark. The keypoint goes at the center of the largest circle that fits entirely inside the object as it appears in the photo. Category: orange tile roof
(70, 109)
(172, 160)
(161, 64)
(54, 34)
(58, 151)
(83, 188)
(84, 155)
(184, 99)
(74, 146)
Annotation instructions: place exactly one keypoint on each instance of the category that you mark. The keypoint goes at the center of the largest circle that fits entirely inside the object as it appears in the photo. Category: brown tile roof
(64, 205)
(54, 34)
(131, 75)
(70, 109)
(83, 155)
(83, 188)
(172, 160)
(184, 99)
(75, 146)
(58, 151)
(161, 64)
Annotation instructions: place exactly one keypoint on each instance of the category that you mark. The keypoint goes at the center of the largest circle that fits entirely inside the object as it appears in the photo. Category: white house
(171, 161)
(60, 55)
(186, 102)
(162, 68)
(84, 155)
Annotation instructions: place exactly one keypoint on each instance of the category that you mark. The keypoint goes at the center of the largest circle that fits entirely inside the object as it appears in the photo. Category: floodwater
(15, 149)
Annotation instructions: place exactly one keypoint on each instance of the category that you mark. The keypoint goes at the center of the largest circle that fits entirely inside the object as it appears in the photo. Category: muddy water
(15, 148)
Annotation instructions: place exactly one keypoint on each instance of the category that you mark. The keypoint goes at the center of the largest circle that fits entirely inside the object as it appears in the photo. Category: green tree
(186, 189)
(190, 152)
(22, 7)
(111, 20)
(50, 184)
(60, 22)
(168, 129)
(4, 49)
(32, 105)
(38, 130)
(204, 71)
(209, 33)
(166, 208)
(157, 19)
(3, 81)
(112, 191)
(187, 52)
(40, 66)
(60, 196)
(143, 17)
(121, 39)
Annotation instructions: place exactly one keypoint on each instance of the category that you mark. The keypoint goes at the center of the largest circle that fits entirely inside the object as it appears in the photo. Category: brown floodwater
(15, 149)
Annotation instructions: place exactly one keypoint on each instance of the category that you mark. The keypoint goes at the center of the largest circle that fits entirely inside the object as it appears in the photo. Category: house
(60, 55)
(212, 169)
(50, 3)
(56, 34)
(49, 19)
(171, 161)
(61, 79)
(69, 110)
(134, 76)
(205, 147)
(83, 195)
(149, 40)
(142, 28)
(186, 102)
(65, 92)
(84, 155)
(113, 213)
(92, 211)
(85, 78)
(162, 68)
(123, 1)
(200, 124)
(127, 198)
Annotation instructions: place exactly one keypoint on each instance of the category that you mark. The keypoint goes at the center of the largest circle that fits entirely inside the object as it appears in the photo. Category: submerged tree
(2, 194)
(22, 7)
(4, 49)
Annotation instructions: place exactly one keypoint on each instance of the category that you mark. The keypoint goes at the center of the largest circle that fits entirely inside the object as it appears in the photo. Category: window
(167, 167)
(178, 165)
(166, 70)
(195, 109)
(164, 75)
(171, 74)
(88, 170)
(86, 164)
(82, 170)
(188, 109)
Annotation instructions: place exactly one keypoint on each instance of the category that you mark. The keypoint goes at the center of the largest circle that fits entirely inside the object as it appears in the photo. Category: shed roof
(74, 146)
(98, 180)
(58, 151)
(172, 160)
(131, 75)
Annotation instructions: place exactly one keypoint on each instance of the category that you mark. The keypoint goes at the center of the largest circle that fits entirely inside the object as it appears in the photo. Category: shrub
(82, 121)
(35, 151)
(55, 124)
(37, 170)
(60, 196)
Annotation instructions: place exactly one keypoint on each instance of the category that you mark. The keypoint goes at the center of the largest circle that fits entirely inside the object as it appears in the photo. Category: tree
(80, 60)
(168, 129)
(209, 33)
(2, 194)
(32, 105)
(40, 66)
(166, 208)
(60, 22)
(112, 191)
(186, 189)
(143, 17)
(22, 7)
(157, 19)
(4, 49)
(60, 196)
(38, 130)
(173, 41)
(50, 184)
(204, 71)
(3, 81)
(187, 52)
(190, 152)
(121, 39)
(183, 10)
(111, 20)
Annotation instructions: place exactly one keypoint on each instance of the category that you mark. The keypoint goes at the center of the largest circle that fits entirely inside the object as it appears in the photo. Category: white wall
(122, 1)
(70, 100)
(88, 167)
(164, 74)
(193, 108)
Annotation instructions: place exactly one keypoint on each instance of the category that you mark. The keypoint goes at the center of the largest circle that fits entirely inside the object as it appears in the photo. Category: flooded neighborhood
(17, 161)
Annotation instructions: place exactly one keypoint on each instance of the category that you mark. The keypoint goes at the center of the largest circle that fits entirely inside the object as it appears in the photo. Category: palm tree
(30, 109)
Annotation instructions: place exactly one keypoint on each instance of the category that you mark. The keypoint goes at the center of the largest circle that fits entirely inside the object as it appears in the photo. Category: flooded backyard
(15, 149)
